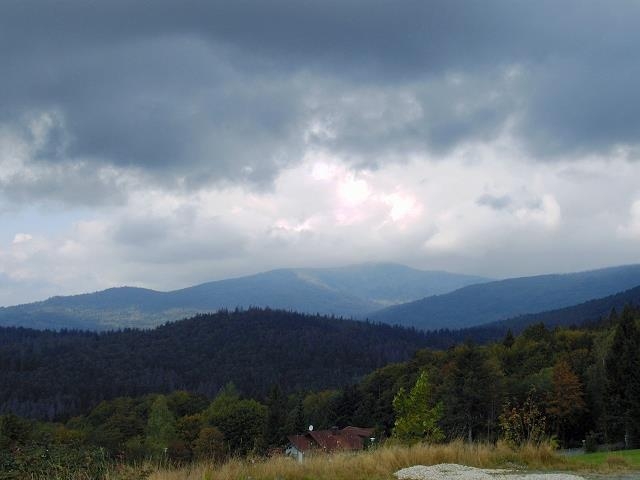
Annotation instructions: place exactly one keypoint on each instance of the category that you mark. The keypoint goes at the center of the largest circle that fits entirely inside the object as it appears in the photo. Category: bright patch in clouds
(402, 206)
(353, 191)
(21, 238)
(448, 215)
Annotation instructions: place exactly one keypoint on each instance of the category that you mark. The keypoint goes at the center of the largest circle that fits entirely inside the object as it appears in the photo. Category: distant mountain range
(385, 293)
(501, 300)
(352, 291)
(590, 313)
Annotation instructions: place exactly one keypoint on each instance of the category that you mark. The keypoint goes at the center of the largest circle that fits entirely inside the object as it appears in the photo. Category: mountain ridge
(504, 299)
(350, 291)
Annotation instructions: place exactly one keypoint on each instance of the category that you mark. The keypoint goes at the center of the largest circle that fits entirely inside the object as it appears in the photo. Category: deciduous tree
(416, 416)
(566, 401)
(161, 426)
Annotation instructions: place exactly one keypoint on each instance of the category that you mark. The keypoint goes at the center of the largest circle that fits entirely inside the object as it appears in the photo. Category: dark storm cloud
(74, 184)
(584, 107)
(361, 35)
(194, 93)
(168, 106)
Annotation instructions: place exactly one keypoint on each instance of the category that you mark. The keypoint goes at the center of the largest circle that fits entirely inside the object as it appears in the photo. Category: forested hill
(49, 374)
(494, 301)
(351, 291)
(573, 385)
(583, 315)
(579, 315)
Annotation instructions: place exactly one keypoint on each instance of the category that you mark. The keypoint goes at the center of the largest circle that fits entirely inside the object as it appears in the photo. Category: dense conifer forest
(53, 375)
(573, 385)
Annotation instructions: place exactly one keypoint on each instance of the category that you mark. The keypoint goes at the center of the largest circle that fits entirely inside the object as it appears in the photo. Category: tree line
(567, 384)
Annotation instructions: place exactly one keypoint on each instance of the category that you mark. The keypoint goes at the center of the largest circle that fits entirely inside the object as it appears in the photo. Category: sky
(163, 144)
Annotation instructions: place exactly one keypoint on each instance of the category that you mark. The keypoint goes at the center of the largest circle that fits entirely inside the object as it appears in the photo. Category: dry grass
(377, 464)
(616, 462)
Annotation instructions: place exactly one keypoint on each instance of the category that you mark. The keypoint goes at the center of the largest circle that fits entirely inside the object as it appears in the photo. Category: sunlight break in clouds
(448, 214)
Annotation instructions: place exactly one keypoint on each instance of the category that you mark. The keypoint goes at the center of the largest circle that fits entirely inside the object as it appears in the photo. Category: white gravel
(451, 471)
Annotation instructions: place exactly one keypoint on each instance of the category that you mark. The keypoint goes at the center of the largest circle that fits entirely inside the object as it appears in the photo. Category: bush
(523, 424)
(52, 463)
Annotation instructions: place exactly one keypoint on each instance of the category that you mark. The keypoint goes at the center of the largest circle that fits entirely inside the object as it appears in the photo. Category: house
(329, 441)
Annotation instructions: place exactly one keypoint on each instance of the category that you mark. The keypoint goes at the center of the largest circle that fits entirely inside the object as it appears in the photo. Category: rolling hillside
(581, 314)
(51, 374)
(350, 291)
(500, 300)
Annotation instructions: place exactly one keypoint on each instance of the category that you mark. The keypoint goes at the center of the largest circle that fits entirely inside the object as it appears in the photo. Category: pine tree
(509, 339)
(299, 420)
(622, 366)
(274, 430)
(470, 392)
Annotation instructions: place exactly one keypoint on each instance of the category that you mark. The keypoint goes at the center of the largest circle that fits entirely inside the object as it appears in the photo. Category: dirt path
(449, 471)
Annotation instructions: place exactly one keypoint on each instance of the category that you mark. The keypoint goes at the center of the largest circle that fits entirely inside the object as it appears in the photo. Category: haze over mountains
(386, 293)
(352, 291)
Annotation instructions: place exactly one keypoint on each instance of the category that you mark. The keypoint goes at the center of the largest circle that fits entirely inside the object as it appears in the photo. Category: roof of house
(359, 431)
(349, 438)
(301, 442)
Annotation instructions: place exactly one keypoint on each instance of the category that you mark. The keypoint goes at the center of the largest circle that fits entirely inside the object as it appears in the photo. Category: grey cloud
(142, 232)
(434, 115)
(359, 34)
(582, 108)
(169, 107)
(14, 291)
(175, 239)
(66, 183)
(501, 202)
(183, 251)
(198, 93)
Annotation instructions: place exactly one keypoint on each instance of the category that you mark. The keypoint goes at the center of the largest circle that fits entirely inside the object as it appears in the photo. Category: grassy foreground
(625, 458)
(380, 464)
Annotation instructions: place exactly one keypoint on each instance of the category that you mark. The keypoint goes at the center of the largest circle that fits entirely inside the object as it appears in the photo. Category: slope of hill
(49, 374)
(388, 283)
(581, 314)
(500, 300)
(349, 291)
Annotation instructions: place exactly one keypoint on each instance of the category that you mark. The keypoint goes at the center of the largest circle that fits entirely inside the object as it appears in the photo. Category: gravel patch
(451, 471)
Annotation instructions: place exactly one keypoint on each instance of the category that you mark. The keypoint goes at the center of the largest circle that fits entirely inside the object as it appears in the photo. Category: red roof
(359, 431)
(301, 442)
(349, 438)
